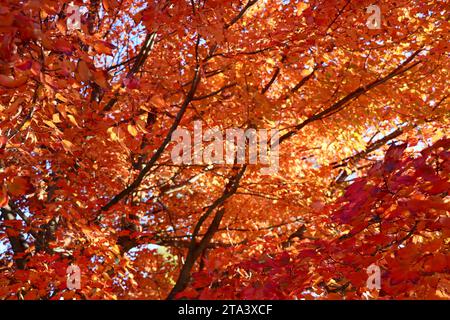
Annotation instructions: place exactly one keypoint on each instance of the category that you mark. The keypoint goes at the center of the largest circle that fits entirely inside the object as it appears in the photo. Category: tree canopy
(92, 92)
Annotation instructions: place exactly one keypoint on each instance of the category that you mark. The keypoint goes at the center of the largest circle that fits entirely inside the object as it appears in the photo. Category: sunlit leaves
(83, 111)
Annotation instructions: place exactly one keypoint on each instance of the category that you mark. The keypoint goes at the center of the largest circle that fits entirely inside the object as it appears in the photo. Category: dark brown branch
(28, 116)
(241, 13)
(139, 61)
(121, 63)
(195, 249)
(17, 240)
(370, 148)
(212, 94)
(342, 103)
(161, 148)
(272, 80)
(304, 80)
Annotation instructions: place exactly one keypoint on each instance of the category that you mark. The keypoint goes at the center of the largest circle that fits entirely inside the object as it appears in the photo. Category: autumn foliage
(87, 113)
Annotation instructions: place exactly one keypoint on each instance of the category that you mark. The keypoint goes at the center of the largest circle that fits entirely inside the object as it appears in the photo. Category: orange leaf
(109, 4)
(10, 83)
(83, 71)
(20, 186)
(104, 47)
(3, 197)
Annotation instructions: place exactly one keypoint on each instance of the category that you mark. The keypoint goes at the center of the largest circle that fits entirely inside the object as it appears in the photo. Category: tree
(395, 217)
(92, 93)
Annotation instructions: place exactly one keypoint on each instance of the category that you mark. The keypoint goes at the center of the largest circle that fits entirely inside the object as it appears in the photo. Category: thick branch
(342, 103)
(16, 239)
(195, 249)
(161, 148)
(241, 13)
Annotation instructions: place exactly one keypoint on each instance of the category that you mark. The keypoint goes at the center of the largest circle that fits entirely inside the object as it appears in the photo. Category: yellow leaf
(132, 130)
(56, 118)
(306, 72)
(115, 133)
(68, 146)
(112, 134)
(157, 101)
(270, 61)
(141, 125)
(72, 120)
(50, 124)
(115, 249)
(145, 108)
(60, 97)
(26, 125)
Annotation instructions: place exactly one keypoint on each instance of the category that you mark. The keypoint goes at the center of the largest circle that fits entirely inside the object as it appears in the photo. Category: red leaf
(131, 83)
(26, 65)
(20, 186)
(395, 152)
(10, 83)
(3, 197)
